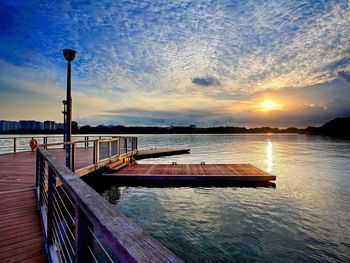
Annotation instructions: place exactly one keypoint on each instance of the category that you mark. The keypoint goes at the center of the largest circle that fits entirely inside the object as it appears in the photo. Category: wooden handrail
(74, 142)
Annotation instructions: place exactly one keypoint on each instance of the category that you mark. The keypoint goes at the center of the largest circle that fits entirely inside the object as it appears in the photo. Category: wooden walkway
(21, 236)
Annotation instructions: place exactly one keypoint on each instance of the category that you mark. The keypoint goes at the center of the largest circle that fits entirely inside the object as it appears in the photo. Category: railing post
(109, 149)
(119, 154)
(126, 144)
(83, 237)
(39, 176)
(73, 156)
(96, 151)
(116, 147)
(51, 184)
(14, 145)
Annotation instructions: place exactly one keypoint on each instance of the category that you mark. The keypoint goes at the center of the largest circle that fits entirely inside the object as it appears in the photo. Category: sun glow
(269, 105)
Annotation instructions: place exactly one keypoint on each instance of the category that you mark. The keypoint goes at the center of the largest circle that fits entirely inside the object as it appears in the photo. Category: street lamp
(69, 55)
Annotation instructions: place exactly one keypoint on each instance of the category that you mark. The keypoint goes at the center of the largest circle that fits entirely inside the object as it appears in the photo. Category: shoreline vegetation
(339, 127)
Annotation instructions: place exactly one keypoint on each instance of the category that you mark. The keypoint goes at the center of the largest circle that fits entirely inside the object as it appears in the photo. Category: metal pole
(69, 55)
(68, 116)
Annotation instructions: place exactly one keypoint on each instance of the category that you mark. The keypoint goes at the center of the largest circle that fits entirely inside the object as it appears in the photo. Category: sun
(269, 105)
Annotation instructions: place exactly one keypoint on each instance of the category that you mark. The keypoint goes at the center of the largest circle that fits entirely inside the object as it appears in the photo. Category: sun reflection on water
(269, 156)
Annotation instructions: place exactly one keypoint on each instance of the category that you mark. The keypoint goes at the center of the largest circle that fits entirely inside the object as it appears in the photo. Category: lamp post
(69, 55)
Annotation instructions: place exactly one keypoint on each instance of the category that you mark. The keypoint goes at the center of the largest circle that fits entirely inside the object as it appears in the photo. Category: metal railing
(89, 155)
(81, 226)
(21, 143)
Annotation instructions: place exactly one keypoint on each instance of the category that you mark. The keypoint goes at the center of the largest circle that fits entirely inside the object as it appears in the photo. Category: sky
(210, 63)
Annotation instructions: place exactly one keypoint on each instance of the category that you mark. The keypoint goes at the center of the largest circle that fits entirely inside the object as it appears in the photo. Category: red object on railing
(33, 144)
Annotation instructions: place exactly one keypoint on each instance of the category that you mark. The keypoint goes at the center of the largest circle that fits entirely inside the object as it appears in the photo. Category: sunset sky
(240, 63)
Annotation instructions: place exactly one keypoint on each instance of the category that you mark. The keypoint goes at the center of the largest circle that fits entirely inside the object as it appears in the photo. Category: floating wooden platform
(153, 153)
(205, 173)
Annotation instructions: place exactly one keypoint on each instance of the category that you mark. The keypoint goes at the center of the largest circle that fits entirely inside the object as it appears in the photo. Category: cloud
(119, 89)
(206, 81)
(345, 76)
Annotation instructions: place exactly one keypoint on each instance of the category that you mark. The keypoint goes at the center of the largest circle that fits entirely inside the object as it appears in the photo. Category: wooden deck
(20, 228)
(211, 173)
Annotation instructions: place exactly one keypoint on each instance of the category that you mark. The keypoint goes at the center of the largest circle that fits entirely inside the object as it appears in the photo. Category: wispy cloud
(206, 81)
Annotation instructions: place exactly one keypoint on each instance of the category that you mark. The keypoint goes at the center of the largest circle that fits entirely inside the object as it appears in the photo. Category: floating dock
(153, 153)
(190, 173)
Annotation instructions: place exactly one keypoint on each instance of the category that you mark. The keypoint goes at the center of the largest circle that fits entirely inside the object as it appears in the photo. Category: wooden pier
(46, 210)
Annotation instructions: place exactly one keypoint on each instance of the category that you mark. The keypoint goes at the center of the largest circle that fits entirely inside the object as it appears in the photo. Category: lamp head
(69, 54)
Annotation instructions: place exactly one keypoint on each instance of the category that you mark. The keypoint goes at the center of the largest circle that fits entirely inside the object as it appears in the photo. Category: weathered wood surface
(20, 228)
(195, 172)
(153, 153)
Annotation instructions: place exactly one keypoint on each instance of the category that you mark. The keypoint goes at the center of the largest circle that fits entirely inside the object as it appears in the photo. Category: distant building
(49, 125)
(39, 125)
(27, 125)
(74, 126)
(8, 125)
(60, 126)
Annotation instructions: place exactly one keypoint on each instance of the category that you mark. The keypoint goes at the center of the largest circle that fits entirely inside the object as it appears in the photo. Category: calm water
(306, 218)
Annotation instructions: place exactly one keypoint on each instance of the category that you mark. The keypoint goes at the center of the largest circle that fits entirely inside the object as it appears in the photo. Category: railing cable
(98, 241)
(92, 254)
(63, 236)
